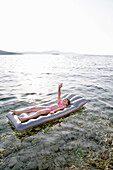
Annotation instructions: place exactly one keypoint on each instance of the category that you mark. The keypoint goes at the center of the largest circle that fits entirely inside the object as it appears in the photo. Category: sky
(80, 26)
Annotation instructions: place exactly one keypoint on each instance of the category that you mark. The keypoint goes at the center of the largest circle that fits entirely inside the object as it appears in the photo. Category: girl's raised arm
(59, 92)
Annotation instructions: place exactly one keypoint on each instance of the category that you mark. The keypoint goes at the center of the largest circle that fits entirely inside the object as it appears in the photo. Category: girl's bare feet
(15, 112)
(22, 119)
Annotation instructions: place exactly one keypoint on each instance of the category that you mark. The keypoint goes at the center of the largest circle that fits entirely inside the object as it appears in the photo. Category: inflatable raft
(76, 103)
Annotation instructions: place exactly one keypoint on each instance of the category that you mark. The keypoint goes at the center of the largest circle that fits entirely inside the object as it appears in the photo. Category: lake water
(83, 139)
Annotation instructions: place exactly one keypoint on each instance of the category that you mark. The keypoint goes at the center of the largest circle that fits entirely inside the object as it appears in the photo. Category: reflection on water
(83, 138)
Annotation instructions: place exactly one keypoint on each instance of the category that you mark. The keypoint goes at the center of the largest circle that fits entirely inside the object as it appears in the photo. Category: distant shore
(9, 53)
(52, 52)
(43, 52)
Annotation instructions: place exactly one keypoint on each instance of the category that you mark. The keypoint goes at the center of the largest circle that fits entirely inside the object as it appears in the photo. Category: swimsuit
(59, 104)
(49, 108)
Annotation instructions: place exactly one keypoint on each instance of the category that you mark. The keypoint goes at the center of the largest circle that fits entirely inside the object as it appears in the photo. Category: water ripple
(88, 130)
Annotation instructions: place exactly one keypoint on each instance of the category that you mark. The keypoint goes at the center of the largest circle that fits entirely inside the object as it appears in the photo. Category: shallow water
(83, 139)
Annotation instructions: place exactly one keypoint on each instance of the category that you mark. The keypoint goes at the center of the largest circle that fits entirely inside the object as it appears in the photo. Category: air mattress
(76, 102)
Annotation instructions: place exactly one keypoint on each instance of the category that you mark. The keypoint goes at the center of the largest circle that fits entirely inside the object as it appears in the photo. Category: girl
(43, 110)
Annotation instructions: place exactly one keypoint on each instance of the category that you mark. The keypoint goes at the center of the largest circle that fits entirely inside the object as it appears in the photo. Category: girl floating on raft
(43, 110)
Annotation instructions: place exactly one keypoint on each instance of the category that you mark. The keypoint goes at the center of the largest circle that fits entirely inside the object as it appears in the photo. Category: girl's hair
(68, 101)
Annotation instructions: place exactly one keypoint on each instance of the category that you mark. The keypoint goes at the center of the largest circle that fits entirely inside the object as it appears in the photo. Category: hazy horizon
(52, 52)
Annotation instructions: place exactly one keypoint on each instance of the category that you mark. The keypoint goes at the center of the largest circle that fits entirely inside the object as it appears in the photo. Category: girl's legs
(33, 109)
(38, 113)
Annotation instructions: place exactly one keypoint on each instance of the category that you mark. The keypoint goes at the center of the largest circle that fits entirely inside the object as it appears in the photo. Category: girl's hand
(52, 112)
(60, 85)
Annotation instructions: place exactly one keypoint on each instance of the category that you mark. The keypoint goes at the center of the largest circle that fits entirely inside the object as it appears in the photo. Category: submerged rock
(18, 166)
(60, 160)
(12, 162)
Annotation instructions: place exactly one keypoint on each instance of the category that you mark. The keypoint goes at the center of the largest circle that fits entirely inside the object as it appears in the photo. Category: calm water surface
(27, 80)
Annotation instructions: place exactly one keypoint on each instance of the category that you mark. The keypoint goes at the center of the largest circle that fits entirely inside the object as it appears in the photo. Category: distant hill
(43, 52)
(8, 53)
(52, 52)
